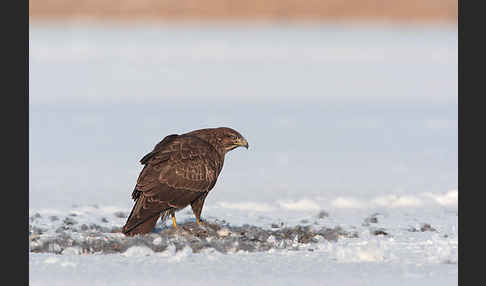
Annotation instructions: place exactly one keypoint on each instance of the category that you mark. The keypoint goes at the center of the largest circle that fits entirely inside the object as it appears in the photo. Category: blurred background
(336, 97)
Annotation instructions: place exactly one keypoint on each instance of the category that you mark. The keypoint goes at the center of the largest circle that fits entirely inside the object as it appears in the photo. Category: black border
(15, 139)
(460, 151)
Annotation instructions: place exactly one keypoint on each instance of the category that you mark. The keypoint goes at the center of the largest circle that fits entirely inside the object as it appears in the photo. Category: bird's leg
(174, 224)
(197, 206)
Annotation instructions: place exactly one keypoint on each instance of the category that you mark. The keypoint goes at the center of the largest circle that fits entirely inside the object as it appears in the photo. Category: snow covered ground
(351, 175)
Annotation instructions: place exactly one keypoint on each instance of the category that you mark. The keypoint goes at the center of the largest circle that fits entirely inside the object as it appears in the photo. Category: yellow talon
(174, 224)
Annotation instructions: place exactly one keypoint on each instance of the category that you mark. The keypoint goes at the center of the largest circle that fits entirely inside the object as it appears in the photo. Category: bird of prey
(180, 171)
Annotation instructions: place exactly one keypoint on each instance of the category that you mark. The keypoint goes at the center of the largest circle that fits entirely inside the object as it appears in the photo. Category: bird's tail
(141, 219)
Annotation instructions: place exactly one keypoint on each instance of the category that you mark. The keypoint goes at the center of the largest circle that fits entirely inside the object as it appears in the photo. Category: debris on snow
(223, 238)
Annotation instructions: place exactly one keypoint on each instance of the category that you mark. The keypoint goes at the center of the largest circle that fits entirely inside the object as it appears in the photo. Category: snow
(248, 206)
(276, 268)
(372, 201)
(304, 204)
(382, 245)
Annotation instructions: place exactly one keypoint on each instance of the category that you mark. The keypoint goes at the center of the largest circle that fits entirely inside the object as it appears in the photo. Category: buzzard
(180, 171)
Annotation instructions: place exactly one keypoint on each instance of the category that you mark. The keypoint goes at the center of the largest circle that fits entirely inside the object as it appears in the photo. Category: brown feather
(197, 205)
(179, 171)
(142, 219)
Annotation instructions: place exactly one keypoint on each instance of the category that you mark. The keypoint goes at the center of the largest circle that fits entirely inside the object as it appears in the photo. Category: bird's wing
(179, 170)
(158, 148)
(183, 163)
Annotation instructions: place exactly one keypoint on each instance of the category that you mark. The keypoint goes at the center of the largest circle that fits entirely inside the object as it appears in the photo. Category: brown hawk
(180, 171)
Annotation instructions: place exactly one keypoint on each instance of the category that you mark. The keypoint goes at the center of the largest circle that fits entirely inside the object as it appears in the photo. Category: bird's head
(230, 139)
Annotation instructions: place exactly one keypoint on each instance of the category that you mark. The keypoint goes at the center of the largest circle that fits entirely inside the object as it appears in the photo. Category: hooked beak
(242, 142)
